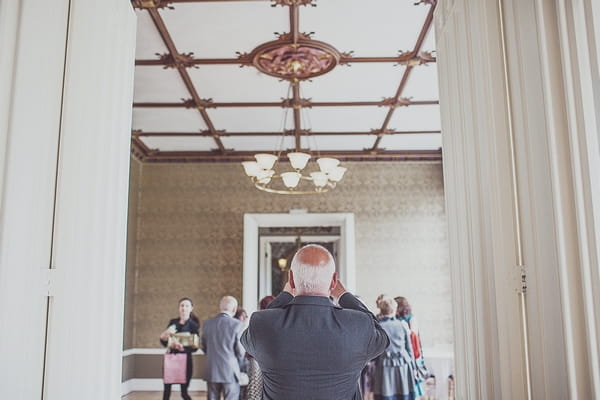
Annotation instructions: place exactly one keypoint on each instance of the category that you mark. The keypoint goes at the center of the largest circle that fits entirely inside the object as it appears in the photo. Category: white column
(479, 202)
(66, 76)
(579, 50)
(32, 44)
(522, 173)
(86, 310)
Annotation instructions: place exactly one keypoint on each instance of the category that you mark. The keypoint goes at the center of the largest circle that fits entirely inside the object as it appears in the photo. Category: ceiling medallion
(304, 59)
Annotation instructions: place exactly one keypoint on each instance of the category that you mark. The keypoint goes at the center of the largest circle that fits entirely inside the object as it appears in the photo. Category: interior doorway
(277, 251)
(335, 230)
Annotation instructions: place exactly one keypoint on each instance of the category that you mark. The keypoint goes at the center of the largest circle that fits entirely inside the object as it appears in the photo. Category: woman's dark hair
(239, 313)
(265, 301)
(193, 316)
(403, 307)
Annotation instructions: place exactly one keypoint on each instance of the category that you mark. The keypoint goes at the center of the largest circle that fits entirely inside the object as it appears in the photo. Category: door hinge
(522, 285)
(49, 282)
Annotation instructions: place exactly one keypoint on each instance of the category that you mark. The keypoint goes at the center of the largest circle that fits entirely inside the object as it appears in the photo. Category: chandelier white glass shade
(262, 173)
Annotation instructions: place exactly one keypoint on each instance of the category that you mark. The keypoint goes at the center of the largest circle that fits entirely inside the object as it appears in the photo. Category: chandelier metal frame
(294, 57)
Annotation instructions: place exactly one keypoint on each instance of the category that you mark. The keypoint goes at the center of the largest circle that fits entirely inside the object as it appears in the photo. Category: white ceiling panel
(155, 84)
(258, 143)
(369, 28)
(218, 29)
(336, 119)
(338, 142)
(423, 141)
(356, 82)
(181, 143)
(230, 83)
(423, 83)
(254, 119)
(149, 41)
(415, 118)
(168, 120)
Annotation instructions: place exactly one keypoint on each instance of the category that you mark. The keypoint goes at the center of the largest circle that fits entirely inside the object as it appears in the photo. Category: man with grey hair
(309, 348)
(221, 344)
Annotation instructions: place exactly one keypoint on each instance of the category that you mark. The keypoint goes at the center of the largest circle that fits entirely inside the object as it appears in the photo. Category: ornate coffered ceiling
(220, 80)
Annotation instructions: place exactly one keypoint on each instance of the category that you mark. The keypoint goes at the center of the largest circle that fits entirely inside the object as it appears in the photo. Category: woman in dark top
(255, 384)
(187, 322)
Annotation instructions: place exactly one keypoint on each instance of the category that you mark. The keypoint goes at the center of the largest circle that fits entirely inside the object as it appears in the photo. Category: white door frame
(252, 223)
(264, 265)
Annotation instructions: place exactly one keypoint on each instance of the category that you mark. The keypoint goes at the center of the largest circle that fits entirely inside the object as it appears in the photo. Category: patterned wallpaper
(190, 231)
(135, 171)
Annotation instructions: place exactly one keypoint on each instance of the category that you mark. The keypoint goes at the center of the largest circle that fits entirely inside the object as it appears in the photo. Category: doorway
(258, 249)
(277, 251)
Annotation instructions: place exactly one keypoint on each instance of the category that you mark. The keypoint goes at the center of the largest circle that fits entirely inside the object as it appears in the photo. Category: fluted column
(519, 94)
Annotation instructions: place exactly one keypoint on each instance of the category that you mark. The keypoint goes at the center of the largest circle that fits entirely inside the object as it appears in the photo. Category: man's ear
(291, 279)
(334, 280)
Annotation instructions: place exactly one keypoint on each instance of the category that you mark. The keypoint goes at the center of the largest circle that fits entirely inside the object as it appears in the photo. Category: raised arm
(379, 340)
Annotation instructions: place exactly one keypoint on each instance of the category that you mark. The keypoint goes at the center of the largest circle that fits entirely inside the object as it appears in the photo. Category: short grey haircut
(228, 304)
(315, 276)
(388, 306)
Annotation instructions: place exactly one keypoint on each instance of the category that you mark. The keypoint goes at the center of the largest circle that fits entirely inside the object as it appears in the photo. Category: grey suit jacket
(310, 349)
(221, 344)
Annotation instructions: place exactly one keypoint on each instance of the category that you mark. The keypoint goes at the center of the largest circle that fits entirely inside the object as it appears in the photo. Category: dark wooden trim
(211, 1)
(164, 33)
(305, 133)
(310, 104)
(294, 22)
(381, 155)
(183, 61)
(425, 30)
(419, 43)
(139, 149)
(401, 59)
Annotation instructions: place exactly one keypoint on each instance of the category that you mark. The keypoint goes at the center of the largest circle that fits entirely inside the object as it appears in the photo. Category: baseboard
(156, 385)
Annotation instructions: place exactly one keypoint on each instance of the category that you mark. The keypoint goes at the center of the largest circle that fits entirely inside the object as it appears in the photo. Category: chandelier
(262, 174)
(294, 57)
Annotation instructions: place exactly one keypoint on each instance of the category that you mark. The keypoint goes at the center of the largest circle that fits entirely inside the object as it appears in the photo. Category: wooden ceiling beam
(213, 156)
(294, 22)
(419, 43)
(237, 134)
(311, 104)
(139, 149)
(166, 37)
(344, 60)
(211, 1)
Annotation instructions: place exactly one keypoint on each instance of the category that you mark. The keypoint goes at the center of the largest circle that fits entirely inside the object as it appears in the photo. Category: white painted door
(84, 335)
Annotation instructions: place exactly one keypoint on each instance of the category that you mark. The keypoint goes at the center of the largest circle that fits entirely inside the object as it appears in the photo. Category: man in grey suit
(308, 348)
(221, 344)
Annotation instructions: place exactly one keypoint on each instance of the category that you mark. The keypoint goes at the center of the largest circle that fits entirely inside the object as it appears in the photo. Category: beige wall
(189, 238)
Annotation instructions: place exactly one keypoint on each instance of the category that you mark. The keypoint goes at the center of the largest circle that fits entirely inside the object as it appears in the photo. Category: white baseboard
(156, 385)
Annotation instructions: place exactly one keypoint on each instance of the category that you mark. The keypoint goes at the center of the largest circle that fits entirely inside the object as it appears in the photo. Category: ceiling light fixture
(301, 178)
(263, 175)
(294, 57)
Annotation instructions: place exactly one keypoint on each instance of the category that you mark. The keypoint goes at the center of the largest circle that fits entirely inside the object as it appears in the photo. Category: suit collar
(313, 301)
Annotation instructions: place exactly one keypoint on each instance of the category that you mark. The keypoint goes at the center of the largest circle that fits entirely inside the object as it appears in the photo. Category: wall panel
(190, 238)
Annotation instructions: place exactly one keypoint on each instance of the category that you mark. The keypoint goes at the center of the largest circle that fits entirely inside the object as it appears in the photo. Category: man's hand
(338, 290)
